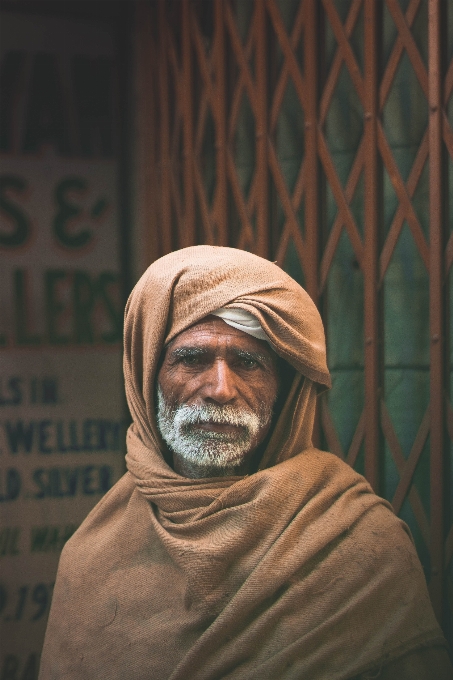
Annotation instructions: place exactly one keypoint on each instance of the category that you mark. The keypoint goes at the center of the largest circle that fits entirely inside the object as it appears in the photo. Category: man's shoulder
(335, 495)
(320, 470)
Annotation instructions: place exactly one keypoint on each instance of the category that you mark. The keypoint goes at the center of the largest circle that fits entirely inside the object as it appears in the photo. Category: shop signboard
(62, 425)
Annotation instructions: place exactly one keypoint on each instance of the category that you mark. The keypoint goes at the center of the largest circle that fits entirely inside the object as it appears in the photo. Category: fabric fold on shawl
(297, 571)
(243, 321)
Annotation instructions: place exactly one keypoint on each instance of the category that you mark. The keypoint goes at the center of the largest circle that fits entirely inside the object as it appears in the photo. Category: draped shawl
(296, 571)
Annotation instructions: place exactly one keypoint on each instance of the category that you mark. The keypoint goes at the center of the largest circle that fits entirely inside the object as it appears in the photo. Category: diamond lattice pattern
(314, 133)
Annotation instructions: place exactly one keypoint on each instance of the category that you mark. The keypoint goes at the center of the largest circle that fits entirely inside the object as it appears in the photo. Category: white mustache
(186, 414)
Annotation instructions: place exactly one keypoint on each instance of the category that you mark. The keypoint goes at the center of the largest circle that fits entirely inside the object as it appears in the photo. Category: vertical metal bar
(148, 220)
(261, 203)
(436, 281)
(164, 134)
(312, 189)
(312, 227)
(187, 228)
(371, 245)
(219, 108)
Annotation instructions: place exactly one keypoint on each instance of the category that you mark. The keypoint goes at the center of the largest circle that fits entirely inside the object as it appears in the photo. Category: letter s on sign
(21, 231)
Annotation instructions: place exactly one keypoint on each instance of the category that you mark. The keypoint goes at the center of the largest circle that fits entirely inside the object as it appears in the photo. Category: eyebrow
(254, 356)
(183, 352)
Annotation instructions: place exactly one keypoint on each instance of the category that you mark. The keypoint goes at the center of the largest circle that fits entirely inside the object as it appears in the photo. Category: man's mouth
(224, 428)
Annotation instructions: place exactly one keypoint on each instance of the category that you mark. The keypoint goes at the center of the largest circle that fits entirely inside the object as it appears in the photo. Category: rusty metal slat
(448, 83)
(282, 190)
(411, 463)
(247, 228)
(197, 39)
(253, 196)
(418, 165)
(397, 223)
(187, 229)
(403, 196)
(394, 59)
(300, 186)
(239, 55)
(312, 189)
(205, 213)
(200, 123)
(357, 439)
(409, 43)
(447, 133)
(164, 135)
(241, 85)
(340, 197)
(280, 253)
(420, 515)
(371, 248)
(311, 162)
(449, 254)
(235, 106)
(329, 251)
(261, 187)
(293, 66)
(279, 89)
(203, 111)
(219, 109)
(337, 227)
(216, 96)
(345, 47)
(337, 62)
(390, 242)
(173, 59)
(277, 100)
(287, 230)
(299, 21)
(436, 307)
(174, 78)
(145, 92)
(291, 222)
(400, 462)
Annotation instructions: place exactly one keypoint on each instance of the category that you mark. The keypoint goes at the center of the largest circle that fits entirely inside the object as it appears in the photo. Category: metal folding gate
(319, 134)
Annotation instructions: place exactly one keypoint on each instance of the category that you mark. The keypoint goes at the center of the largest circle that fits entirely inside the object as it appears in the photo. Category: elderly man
(232, 548)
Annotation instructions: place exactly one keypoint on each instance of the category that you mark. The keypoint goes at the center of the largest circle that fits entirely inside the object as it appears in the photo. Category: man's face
(216, 390)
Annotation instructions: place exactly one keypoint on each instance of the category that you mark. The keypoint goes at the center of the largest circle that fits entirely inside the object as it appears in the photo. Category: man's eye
(190, 360)
(249, 363)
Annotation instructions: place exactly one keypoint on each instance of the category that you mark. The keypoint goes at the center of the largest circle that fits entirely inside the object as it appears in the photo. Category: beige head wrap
(296, 571)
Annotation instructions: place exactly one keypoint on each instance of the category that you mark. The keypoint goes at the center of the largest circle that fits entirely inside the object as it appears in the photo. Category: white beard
(205, 448)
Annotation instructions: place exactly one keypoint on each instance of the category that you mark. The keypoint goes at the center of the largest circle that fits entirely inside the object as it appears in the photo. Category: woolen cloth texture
(296, 571)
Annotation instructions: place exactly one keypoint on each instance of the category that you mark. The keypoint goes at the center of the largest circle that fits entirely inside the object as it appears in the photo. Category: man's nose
(220, 384)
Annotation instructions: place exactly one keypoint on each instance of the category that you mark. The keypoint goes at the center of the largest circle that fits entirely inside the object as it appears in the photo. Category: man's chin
(215, 453)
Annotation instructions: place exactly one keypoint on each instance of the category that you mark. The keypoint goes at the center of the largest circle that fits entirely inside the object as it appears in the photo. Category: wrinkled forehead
(212, 329)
